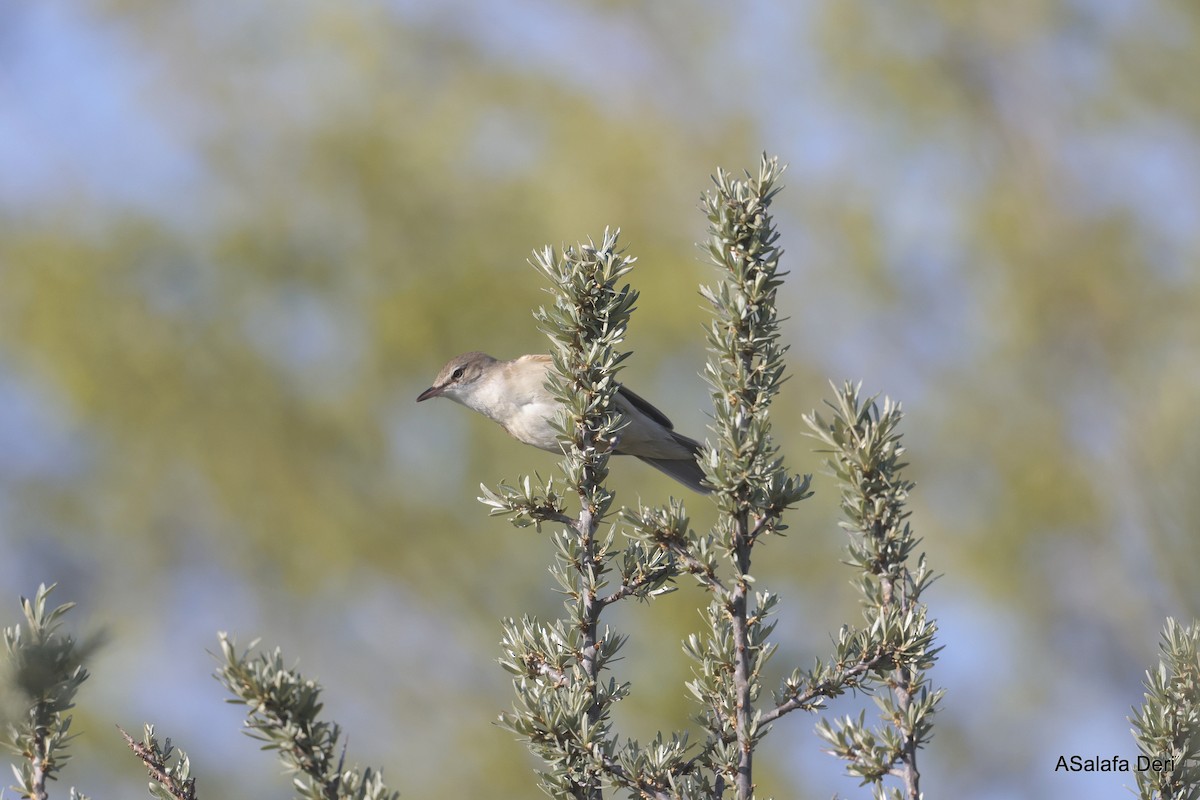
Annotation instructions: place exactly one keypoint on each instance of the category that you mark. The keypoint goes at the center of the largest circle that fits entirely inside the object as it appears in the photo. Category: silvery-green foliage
(169, 768)
(564, 694)
(752, 487)
(1167, 727)
(894, 648)
(43, 669)
(564, 698)
(283, 711)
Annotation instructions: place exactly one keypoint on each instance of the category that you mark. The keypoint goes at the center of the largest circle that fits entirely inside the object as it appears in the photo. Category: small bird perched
(514, 394)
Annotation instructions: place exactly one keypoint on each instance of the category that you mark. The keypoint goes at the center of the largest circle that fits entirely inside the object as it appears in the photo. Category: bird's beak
(432, 391)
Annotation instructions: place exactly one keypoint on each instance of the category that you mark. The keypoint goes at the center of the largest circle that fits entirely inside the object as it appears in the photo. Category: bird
(514, 394)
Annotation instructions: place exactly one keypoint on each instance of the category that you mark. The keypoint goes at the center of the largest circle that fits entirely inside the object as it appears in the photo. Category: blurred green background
(236, 240)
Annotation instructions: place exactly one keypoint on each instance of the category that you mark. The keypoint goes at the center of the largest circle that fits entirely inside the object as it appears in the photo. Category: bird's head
(460, 375)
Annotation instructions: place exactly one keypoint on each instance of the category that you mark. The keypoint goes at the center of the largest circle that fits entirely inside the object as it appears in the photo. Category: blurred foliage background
(237, 240)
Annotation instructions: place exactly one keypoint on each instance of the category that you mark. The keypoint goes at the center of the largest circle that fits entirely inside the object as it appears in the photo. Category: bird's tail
(685, 470)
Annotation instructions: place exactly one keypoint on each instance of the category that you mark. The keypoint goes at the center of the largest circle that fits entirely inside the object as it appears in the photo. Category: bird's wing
(625, 393)
(635, 400)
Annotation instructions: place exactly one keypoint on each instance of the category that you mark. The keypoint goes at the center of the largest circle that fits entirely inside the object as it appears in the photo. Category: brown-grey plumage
(513, 394)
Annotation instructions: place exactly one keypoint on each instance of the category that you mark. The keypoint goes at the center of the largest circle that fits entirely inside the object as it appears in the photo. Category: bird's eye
(458, 373)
